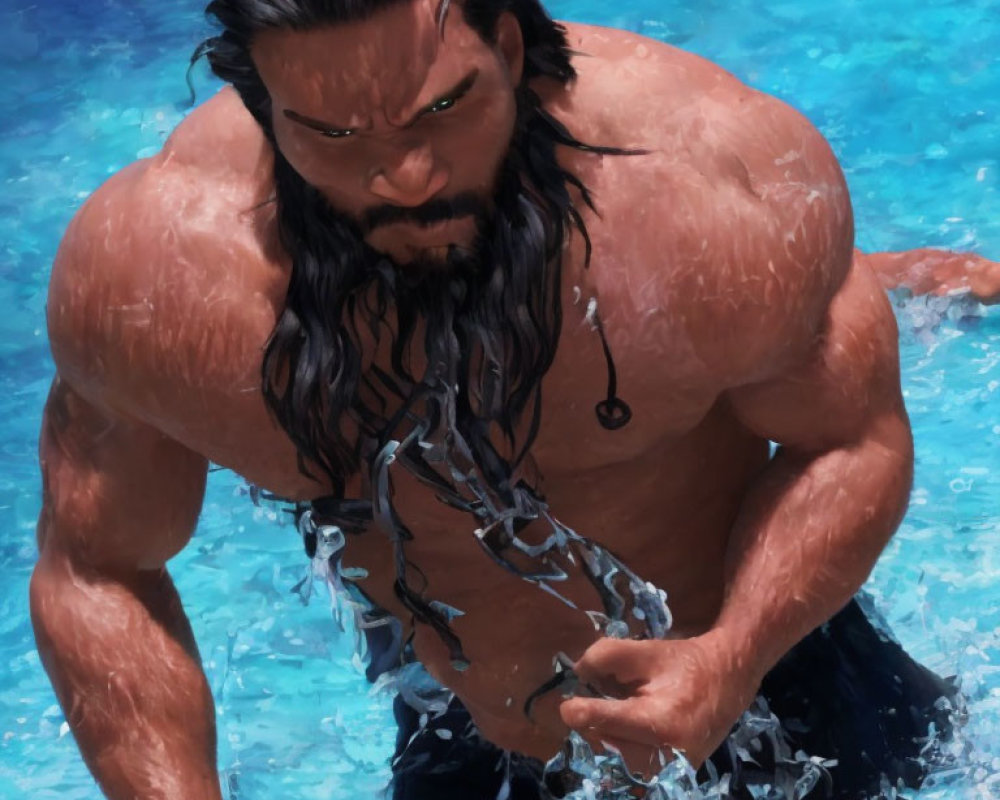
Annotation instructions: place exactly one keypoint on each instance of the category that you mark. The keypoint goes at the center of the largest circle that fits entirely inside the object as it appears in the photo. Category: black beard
(499, 304)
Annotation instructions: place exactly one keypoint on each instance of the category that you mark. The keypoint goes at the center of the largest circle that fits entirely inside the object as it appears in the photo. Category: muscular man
(602, 273)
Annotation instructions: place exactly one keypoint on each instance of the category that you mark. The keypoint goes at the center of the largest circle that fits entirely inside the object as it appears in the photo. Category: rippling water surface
(907, 93)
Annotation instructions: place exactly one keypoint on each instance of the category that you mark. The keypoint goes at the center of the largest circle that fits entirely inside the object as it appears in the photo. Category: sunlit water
(907, 93)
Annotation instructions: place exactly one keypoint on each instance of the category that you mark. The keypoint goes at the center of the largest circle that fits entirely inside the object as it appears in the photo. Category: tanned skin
(734, 304)
(939, 272)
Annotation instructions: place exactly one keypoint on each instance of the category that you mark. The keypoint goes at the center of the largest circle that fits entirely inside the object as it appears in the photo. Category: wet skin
(732, 301)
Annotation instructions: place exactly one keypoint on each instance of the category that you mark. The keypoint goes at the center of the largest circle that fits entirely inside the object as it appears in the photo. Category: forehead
(384, 63)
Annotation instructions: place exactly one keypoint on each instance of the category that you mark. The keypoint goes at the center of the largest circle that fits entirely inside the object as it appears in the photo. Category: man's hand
(939, 272)
(682, 694)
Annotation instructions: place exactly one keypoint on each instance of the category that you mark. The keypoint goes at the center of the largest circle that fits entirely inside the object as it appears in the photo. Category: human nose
(409, 176)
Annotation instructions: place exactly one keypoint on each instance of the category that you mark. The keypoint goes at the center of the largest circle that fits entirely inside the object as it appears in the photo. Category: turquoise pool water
(909, 96)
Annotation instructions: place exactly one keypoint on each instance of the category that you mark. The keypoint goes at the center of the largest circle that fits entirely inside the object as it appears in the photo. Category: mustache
(466, 204)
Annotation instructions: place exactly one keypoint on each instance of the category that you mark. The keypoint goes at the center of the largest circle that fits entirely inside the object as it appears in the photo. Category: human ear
(510, 43)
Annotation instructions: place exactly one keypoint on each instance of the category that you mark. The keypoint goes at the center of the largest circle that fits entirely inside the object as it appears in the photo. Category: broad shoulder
(738, 215)
(632, 90)
(170, 269)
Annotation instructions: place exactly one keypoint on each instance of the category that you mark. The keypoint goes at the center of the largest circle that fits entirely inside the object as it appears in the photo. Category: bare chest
(592, 377)
(621, 343)
(626, 342)
(661, 490)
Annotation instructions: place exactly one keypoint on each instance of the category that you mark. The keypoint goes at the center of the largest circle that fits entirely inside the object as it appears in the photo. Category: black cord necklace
(613, 413)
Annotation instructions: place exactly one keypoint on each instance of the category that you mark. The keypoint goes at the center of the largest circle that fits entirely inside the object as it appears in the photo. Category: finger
(624, 660)
(624, 720)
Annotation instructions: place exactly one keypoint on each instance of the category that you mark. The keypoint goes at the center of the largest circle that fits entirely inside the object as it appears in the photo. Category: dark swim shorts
(847, 692)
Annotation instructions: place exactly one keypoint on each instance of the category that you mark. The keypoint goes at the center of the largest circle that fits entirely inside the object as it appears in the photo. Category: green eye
(337, 134)
(441, 105)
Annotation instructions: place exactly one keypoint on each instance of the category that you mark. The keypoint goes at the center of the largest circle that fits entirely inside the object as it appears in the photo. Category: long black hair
(546, 52)
(504, 312)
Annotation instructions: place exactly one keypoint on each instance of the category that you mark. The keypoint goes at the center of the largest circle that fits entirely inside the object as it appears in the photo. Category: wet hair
(500, 309)
(546, 52)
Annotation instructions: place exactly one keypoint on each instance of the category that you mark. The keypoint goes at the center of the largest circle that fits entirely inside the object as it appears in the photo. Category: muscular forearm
(124, 666)
(807, 538)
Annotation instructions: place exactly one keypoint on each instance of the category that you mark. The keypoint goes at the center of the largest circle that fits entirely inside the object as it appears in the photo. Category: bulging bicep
(846, 385)
(118, 495)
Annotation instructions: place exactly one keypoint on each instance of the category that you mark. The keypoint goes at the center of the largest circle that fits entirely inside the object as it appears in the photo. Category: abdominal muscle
(667, 514)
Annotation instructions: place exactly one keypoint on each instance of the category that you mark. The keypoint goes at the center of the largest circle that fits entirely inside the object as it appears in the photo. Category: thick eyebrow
(456, 91)
(309, 122)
